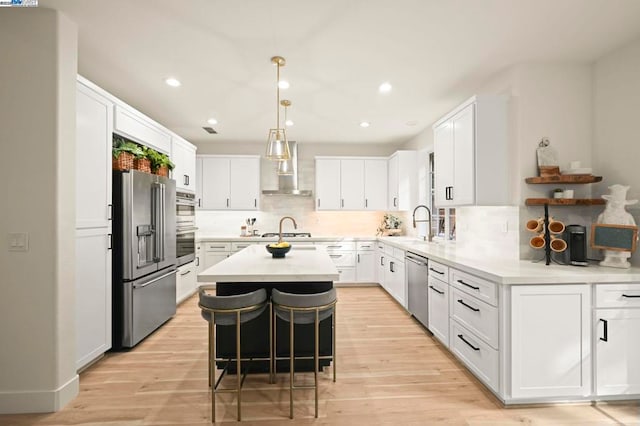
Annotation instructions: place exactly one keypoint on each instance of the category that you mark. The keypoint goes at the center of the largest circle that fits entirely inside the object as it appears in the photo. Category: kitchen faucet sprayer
(295, 226)
(430, 234)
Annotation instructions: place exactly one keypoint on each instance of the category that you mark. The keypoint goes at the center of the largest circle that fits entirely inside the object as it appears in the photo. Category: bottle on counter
(243, 230)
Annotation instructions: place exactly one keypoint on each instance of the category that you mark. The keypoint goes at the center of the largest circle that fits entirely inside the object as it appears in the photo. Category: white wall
(616, 147)
(37, 166)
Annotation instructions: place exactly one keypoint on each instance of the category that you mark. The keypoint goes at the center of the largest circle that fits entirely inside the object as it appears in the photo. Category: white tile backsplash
(488, 231)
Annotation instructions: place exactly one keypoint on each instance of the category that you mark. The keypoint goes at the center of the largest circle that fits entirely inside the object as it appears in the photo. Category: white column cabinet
(94, 128)
(472, 154)
(183, 156)
(228, 183)
(351, 183)
(550, 341)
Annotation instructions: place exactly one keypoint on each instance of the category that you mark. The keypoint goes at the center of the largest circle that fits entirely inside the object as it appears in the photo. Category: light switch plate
(18, 241)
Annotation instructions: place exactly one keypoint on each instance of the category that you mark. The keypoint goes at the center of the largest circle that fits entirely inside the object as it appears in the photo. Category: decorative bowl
(278, 252)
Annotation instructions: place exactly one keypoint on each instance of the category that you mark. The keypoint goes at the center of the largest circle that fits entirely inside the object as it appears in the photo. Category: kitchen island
(304, 270)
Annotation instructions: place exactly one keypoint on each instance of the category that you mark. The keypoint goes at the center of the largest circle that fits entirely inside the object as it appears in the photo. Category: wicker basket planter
(162, 171)
(143, 164)
(124, 161)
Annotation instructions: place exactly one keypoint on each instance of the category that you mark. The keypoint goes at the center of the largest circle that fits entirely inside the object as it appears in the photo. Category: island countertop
(255, 264)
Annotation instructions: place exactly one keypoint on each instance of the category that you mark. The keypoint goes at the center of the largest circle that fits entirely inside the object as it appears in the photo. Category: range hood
(288, 184)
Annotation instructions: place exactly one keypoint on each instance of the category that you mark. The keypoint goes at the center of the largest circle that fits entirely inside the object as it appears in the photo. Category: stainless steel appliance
(418, 287)
(185, 227)
(576, 252)
(144, 255)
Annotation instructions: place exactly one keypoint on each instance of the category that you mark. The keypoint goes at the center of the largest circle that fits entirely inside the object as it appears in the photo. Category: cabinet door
(184, 158)
(464, 168)
(443, 158)
(375, 184)
(352, 184)
(393, 202)
(94, 120)
(244, 191)
(213, 257)
(215, 183)
(401, 284)
(365, 267)
(328, 184)
(617, 351)
(93, 294)
(185, 281)
(550, 341)
(439, 309)
(380, 267)
(131, 124)
(199, 183)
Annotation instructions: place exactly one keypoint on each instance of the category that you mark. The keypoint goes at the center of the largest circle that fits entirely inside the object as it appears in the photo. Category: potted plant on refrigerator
(124, 153)
(160, 163)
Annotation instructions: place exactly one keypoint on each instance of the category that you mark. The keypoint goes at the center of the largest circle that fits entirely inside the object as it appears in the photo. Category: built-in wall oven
(185, 227)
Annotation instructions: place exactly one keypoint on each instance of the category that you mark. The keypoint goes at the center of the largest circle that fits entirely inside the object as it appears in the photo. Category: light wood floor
(390, 372)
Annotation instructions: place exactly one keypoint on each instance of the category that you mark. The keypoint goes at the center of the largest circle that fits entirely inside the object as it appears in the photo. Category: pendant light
(277, 145)
(285, 167)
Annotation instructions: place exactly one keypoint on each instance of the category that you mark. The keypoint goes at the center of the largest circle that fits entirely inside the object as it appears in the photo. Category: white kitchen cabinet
(183, 156)
(139, 128)
(186, 281)
(228, 183)
(366, 262)
(439, 309)
(395, 279)
(93, 294)
(343, 255)
(351, 183)
(380, 264)
(199, 260)
(215, 251)
(550, 341)
(478, 356)
(472, 154)
(402, 180)
(94, 128)
(211, 258)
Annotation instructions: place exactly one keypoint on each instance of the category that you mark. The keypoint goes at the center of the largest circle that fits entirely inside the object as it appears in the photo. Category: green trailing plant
(122, 145)
(158, 159)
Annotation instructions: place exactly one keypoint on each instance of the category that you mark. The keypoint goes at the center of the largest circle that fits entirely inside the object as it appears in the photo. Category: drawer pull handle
(630, 296)
(461, 337)
(436, 290)
(335, 255)
(217, 247)
(468, 306)
(381, 260)
(469, 285)
(184, 273)
(436, 271)
(605, 338)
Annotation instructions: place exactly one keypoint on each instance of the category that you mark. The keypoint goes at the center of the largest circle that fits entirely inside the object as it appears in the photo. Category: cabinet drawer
(343, 258)
(338, 245)
(478, 287)
(239, 246)
(380, 246)
(439, 271)
(477, 316)
(481, 358)
(365, 245)
(618, 295)
(217, 246)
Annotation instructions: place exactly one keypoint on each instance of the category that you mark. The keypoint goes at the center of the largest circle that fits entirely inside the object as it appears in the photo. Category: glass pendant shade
(277, 146)
(285, 168)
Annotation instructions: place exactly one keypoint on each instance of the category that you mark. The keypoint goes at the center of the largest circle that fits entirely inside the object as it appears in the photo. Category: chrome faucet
(295, 226)
(430, 237)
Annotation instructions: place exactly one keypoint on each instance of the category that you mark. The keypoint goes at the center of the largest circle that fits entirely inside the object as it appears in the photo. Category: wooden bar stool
(304, 309)
(229, 311)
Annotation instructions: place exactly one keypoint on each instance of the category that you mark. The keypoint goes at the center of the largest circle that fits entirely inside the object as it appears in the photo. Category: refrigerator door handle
(157, 222)
(163, 219)
(155, 279)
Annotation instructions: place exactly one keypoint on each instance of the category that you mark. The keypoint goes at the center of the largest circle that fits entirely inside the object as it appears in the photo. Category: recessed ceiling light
(173, 82)
(288, 123)
(385, 87)
(365, 124)
(212, 121)
(283, 84)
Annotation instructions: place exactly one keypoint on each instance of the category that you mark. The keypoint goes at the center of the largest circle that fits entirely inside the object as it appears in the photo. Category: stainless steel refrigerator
(144, 255)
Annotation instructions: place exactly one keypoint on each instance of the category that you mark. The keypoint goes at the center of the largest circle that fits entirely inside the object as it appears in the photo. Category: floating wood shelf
(565, 201)
(564, 179)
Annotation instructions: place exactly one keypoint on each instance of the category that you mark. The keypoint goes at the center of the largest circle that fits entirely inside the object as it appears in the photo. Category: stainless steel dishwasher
(418, 276)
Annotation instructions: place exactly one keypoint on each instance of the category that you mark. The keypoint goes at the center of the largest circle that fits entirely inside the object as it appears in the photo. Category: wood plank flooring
(390, 372)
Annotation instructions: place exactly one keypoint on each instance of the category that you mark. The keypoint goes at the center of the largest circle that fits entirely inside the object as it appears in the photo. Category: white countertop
(255, 264)
(236, 238)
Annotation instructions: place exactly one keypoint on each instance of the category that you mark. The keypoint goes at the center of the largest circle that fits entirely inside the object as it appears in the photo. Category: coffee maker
(576, 252)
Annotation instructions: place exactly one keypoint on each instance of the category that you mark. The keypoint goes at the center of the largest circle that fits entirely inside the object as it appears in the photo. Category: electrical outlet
(18, 241)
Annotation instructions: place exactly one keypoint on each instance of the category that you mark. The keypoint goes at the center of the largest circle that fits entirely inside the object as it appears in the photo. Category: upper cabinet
(138, 127)
(471, 154)
(228, 182)
(403, 180)
(351, 183)
(183, 155)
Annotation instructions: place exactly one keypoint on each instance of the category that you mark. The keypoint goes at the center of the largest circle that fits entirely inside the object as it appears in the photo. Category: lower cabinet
(550, 341)
(215, 252)
(380, 264)
(186, 281)
(478, 356)
(395, 280)
(439, 309)
(365, 262)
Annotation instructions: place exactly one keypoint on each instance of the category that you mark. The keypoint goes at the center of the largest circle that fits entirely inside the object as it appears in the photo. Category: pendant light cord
(278, 99)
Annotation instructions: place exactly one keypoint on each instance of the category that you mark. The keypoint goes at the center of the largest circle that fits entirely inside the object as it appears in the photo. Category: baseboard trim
(39, 401)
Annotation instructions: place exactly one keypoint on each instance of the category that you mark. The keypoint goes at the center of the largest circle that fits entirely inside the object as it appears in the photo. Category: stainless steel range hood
(288, 184)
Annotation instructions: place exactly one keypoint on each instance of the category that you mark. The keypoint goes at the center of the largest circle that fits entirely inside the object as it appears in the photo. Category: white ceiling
(434, 53)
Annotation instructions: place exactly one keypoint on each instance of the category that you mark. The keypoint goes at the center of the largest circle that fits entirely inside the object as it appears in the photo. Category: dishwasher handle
(420, 261)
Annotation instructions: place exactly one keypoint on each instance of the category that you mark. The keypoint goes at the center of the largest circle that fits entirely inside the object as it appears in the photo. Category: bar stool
(304, 309)
(228, 311)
